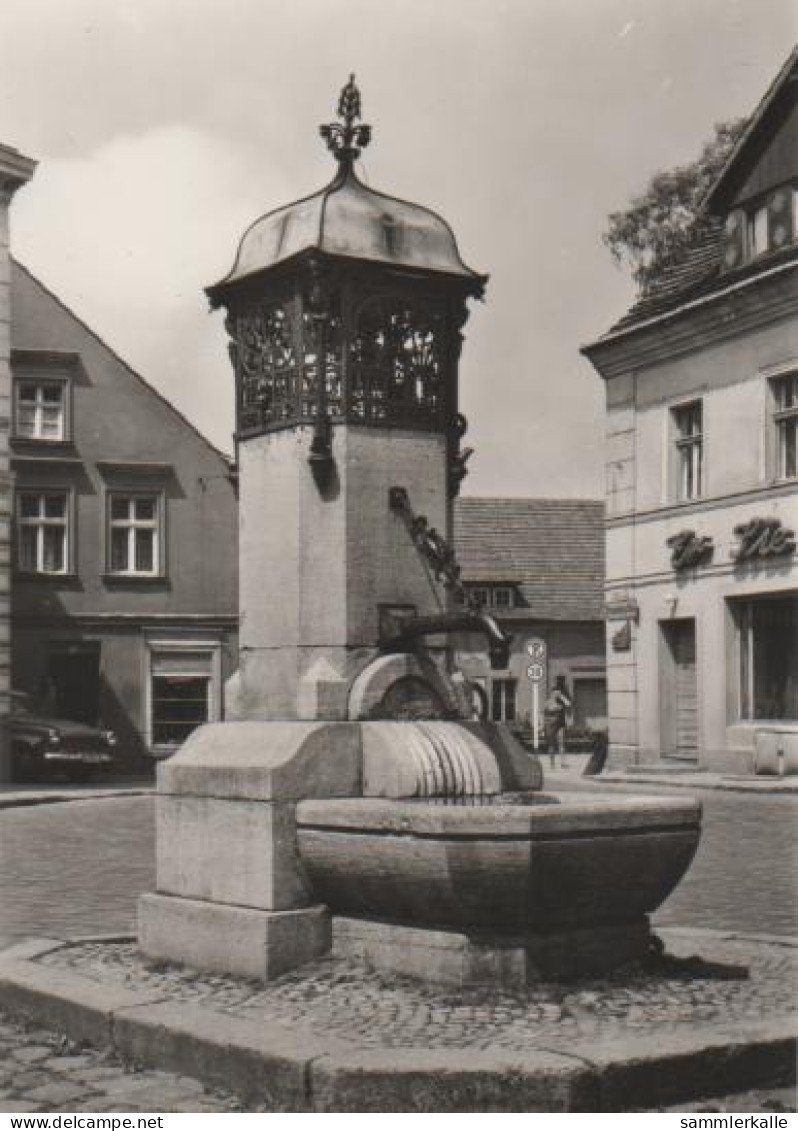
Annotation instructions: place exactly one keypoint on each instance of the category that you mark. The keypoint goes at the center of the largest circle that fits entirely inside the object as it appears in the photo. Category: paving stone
(32, 1053)
(56, 1092)
(68, 1064)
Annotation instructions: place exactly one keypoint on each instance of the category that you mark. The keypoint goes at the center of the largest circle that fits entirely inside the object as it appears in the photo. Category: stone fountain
(353, 802)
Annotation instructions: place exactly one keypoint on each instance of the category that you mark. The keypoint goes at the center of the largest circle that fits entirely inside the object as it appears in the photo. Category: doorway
(74, 672)
(679, 690)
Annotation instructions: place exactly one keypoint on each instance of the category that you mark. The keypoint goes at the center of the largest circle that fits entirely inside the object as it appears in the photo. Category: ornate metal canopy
(347, 305)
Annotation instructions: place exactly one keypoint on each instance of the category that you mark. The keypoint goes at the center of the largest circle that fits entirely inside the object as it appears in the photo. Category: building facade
(15, 171)
(124, 544)
(538, 566)
(701, 384)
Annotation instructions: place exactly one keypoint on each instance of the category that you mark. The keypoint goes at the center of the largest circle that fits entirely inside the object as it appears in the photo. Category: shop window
(768, 630)
(689, 450)
(184, 691)
(40, 410)
(502, 700)
(43, 532)
(785, 418)
(134, 535)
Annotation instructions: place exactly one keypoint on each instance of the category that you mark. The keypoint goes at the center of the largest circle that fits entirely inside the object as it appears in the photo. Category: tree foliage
(661, 225)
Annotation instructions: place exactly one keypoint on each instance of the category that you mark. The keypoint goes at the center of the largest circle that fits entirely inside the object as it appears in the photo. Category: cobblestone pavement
(338, 997)
(75, 869)
(41, 1072)
(743, 875)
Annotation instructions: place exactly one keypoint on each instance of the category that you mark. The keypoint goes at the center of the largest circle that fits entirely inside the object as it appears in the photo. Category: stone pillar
(316, 565)
(15, 171)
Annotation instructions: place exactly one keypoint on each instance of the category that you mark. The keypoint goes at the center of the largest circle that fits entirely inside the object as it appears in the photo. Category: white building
(702, 477)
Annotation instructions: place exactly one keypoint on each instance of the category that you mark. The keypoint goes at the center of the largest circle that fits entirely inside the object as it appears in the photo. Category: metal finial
(345, 141)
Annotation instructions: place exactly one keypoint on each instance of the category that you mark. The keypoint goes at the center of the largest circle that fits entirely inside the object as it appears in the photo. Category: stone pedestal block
(454, 958)
(230, 851)
(236, 940)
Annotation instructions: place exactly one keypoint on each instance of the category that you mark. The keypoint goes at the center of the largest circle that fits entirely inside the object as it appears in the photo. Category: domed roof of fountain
(348, 218)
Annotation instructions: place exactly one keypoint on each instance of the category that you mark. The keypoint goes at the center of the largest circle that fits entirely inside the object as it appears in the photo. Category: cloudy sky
(164, 127)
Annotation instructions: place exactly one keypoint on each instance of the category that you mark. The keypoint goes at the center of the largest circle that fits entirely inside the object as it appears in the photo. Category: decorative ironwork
(345, 141)
(264, 353)
(689, 549)
(322, 334)
(314, 352)
(396, 363)
(459, 457)
(434, 547)
(763, 538)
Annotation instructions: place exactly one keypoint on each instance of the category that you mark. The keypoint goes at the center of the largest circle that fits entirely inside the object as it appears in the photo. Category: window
(42, 531)
(785, 400)
(493, 596)
(768, 630)
(134, 534)
(184, 690)
(41, 410)
(502, 700)
(758, 231)
(688, 422)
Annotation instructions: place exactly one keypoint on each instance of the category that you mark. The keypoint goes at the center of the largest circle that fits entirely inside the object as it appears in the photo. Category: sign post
(536, 649)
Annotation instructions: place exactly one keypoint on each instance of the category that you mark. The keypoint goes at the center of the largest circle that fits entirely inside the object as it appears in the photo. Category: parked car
(41, 746)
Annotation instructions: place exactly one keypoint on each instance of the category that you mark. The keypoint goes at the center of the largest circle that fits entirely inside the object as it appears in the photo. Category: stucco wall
(117, 417)
(732, 379)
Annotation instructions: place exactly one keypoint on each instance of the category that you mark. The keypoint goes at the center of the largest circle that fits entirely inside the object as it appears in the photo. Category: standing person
(554, 717)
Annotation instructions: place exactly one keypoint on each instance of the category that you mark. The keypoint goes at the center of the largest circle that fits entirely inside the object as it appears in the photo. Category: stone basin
(512, 866)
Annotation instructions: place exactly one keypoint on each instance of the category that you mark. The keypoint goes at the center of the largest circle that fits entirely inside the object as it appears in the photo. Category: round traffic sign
(535, 672)
(536, 649)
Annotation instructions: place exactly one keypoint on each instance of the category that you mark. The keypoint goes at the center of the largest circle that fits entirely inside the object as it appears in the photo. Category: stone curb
(730, 785)
(23, 800)
(296, 1070)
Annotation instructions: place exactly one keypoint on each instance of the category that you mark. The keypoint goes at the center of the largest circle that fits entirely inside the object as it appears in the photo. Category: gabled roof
(700, 274)
(783, 87)
(551, 549)
(21, 342)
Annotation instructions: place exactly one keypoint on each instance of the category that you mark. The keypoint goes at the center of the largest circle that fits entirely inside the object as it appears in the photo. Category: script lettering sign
(689, 549)
(763, 538)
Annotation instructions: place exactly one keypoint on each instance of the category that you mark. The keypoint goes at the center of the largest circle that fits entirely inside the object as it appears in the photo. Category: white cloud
(128, 237)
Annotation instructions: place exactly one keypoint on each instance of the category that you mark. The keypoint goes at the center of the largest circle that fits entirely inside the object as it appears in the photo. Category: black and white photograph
(398, 560)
